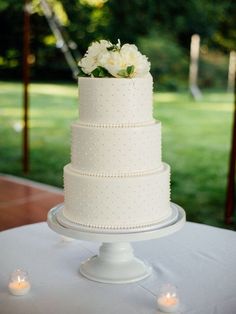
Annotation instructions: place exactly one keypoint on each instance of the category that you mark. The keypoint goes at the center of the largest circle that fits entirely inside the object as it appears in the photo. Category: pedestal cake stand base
(115, 262)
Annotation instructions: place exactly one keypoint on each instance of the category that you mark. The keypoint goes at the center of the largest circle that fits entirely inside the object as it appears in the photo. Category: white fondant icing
(116, 178)
(115, 100)
(117, 202)
(116, 150)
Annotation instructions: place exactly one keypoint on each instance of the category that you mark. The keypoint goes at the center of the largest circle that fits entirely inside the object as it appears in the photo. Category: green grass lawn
(196, 141)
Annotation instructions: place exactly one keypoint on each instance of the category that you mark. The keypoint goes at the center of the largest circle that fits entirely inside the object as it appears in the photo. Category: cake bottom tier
(117, 202)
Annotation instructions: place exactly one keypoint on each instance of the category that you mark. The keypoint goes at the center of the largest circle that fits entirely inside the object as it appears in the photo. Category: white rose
(142, 66)
(90, 61)
(111, 61)
(98, 47)
(88, 64)
(125, 61)
(131, 56)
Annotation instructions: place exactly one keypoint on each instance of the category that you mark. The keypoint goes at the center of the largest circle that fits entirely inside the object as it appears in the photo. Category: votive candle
(168, 300)
(19, 283)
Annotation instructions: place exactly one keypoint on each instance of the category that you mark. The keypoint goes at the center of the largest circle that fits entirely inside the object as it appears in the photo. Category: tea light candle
(19, 283)
(168, 301)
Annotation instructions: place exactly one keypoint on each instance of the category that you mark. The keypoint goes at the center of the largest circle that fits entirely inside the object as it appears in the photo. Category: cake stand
(115, 262)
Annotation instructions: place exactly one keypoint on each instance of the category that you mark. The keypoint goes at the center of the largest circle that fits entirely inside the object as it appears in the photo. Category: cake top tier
(104, 59)
(116, 102)
(115, 86)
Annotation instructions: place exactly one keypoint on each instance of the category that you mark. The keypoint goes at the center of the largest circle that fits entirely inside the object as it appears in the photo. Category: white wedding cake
(116, 178)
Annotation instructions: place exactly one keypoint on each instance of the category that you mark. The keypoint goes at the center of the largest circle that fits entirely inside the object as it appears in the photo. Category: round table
(199, 260)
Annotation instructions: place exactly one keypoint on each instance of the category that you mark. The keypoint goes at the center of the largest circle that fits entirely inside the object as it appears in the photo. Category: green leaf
(123, 73)
(110, 48)
(100, 72)
(114, 47)
(130, 70)
(81, 72)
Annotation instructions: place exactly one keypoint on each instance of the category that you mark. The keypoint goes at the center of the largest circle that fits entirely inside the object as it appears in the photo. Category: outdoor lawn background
(196, 140)
(196, 135)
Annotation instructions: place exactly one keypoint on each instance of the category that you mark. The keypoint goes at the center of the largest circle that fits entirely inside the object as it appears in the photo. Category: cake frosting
(116, 178)
(113, 101)
(99, 149)
(117, 201)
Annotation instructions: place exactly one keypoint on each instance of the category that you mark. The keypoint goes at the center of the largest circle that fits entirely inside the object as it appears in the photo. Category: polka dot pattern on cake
(115, 100)
(116, 178)
(116, 150)
(116, 202)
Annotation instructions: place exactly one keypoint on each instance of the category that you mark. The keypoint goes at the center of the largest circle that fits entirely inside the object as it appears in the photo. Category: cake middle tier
(116, 151)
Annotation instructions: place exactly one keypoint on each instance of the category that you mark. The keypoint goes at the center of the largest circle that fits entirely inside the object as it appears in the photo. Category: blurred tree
(88, 20)
(225, 35)
(168, 59)
(130, 19)
(181, 19)
(11, 36)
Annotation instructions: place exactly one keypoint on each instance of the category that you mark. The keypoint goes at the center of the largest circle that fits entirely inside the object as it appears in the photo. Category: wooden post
(231, 71)
(230, 194)
(26, 72)
(193, 68)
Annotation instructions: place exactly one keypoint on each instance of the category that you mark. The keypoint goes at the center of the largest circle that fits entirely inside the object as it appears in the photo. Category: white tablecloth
(200, 260)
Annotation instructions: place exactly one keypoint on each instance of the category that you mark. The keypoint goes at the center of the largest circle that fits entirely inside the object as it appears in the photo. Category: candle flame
(20, 279)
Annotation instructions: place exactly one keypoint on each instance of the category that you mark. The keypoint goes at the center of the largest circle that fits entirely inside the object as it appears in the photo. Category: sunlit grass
(196, 141)
(50, 89)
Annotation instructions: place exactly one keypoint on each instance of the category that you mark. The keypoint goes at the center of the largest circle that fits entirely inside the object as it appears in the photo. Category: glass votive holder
(19, 282)
(168, 299)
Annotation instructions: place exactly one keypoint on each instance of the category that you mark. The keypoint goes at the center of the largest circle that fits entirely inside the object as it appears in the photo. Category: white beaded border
(118, 227)
(116, 125)
(119, 175)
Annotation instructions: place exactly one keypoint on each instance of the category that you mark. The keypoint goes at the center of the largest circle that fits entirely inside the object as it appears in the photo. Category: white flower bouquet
(103, 59)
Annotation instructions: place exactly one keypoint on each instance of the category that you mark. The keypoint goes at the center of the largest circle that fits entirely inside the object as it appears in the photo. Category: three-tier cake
(116, 178)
